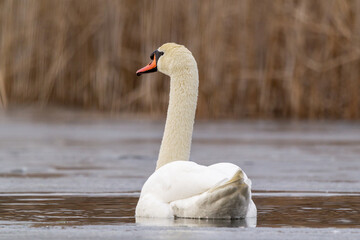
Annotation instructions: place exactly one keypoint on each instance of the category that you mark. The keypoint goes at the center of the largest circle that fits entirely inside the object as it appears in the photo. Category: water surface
(66, 174)
(315, 210)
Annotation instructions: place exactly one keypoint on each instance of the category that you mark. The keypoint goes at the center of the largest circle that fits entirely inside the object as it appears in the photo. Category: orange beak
(151, 67)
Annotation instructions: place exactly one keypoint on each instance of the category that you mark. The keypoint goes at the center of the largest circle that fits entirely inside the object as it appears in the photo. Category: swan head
(170, 58)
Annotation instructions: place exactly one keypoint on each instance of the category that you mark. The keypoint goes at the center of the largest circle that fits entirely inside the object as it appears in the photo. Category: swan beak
(151, 67)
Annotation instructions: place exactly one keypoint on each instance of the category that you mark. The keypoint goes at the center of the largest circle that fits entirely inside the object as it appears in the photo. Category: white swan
(178, 187)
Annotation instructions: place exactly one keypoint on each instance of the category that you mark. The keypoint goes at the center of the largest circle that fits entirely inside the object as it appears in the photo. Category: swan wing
(229, 200)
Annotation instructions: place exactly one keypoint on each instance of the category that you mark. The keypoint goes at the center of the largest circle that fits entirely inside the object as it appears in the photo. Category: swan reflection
(190, 222)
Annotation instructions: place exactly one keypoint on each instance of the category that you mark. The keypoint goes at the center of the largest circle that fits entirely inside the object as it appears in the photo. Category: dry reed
(258, 59)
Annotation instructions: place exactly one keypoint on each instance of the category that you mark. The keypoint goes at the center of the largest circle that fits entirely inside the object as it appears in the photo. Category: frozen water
(304, 167)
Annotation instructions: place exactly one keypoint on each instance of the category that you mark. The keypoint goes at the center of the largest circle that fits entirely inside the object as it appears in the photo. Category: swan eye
(156, 53)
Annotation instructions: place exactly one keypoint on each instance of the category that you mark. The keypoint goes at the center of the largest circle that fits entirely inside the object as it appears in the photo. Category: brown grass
(262, 59)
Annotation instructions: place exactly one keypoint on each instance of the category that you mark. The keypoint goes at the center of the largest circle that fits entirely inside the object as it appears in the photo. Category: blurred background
(257, 59)
(80, 132)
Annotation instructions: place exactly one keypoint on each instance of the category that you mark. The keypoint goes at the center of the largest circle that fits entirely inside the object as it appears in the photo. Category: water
(314, 210)
(67, 175)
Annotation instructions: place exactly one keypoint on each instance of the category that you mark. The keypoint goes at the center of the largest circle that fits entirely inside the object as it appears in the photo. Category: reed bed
(257, 59)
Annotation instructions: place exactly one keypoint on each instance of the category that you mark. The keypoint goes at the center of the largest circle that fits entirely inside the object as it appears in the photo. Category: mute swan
(178, 187)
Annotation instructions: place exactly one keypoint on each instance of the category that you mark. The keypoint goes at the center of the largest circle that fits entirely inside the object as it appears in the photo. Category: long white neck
(176, 142)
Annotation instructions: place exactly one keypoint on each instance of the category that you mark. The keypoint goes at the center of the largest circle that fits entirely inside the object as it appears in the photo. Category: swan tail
(238, 176)
(227, 200)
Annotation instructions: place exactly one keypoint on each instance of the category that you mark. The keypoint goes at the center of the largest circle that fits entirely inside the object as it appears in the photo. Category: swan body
(178, 187)
(189, 190)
